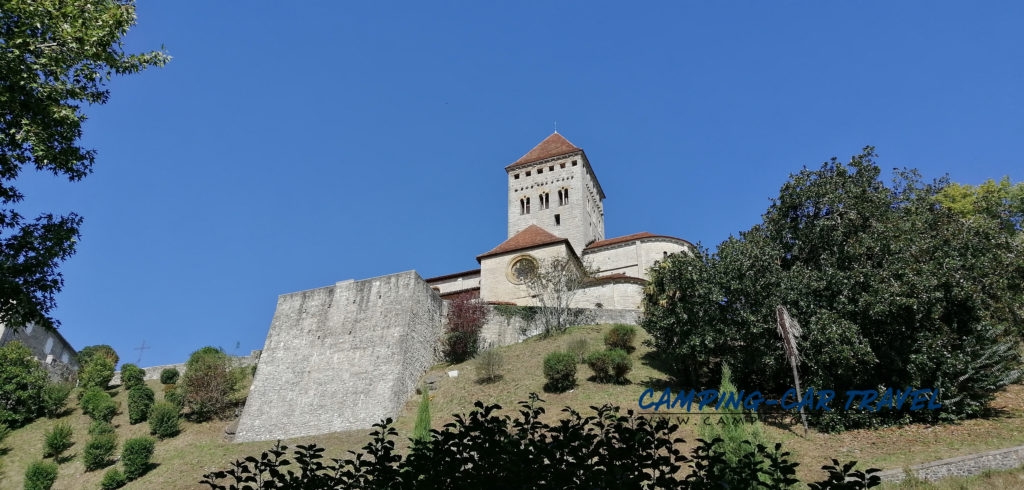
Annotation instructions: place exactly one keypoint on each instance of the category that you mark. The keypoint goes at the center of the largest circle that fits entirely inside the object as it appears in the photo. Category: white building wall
(495, 284)
(612, 295)
(632, 258)
(454, 284)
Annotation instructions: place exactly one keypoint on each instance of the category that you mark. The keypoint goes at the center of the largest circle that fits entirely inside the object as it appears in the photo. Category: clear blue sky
(291, 145)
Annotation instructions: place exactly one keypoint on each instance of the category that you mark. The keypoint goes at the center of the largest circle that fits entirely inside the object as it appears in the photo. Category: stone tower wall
(342, 357)
(581, 220)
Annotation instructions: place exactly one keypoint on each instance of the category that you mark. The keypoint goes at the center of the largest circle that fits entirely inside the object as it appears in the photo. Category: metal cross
(140, 349)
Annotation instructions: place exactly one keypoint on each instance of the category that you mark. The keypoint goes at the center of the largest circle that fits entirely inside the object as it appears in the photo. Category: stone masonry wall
(499, 330)
(973, 464)
(342, 357)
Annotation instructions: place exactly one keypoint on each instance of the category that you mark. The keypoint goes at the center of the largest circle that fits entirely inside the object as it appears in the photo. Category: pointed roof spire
(552, 146)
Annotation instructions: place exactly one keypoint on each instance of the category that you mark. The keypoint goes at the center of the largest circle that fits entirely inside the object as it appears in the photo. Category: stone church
(556, 209)
(348, 355)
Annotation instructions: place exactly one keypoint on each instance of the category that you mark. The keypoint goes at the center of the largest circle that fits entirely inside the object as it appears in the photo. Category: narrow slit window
(558, 220)
(522, 206)
(527, 205)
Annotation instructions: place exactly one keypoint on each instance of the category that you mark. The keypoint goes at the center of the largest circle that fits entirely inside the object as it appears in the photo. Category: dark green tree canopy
(55, 57)
(891, 288)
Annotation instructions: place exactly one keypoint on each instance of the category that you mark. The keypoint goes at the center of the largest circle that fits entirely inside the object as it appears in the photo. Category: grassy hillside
(182, 460)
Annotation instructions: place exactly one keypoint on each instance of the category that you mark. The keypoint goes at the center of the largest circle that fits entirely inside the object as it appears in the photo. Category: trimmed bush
(622, 364)
(22, 380)
(100, 427)
(55, 396)
(98, 405)
(113, 479)
(96, 372)
(132, 376)
(163, 420)
(601, 364)
(175, 397)
(102, 350)
(140, 401)
(560, 371)
(135, 456)
(98, 451)
(169, 376)
(57, 440)
(40, 475)
(620, 337)
(578, 347)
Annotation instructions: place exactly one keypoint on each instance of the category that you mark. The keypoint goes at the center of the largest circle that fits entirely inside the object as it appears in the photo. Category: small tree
(98, 451)
(421, 431)
(554, 284)
(140, 401)
(57, 440)
(207, 383)
(40, 475)
(735, 436)
(465, 318)
(55, 397)
(135, 456)
(97, 371)
(102, 350)
(489, 363)
(169, 376)
(22, 380)
(132, 376)
(163, 420)
(98, 405)
(560, 371)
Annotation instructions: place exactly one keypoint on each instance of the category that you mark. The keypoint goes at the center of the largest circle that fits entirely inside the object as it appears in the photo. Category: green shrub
(560, 371)
(55, 396)
(734, 431)
(169, 376)
(601, 364)
(421, 431)
(622, 364)
(163, 420)
(489, 363)
(113, 479)
(140, 401)
(578, 347)
(102, 350)
(207, 383)
(135, 456)
(98, 451)
(4, 432)
(132, 376)
(40, 475)
(175, 397)
(620, 337)
(96, 372)
(100, 427)
(57, 440)
(22, 380)
(98, 405)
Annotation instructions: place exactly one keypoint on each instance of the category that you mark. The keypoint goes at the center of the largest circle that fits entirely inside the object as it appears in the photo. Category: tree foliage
(554, 285)
(892, 289)
(485, 450)
(207, 383)
(22, 381)
(465, 317)
(97, 371)
(55, 57)
(103, 350)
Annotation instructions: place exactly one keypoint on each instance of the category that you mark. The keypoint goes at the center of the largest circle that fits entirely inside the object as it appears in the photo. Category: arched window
(527, 205)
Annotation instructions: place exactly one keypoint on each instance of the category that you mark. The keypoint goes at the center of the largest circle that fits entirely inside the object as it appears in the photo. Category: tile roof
(552, 146)
(532, 236)
(629, 238)
(453, 276)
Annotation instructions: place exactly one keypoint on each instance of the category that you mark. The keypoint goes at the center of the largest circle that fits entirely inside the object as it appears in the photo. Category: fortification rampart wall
(342, 357)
